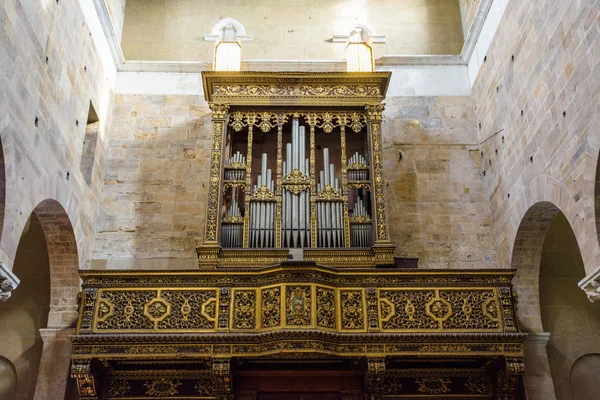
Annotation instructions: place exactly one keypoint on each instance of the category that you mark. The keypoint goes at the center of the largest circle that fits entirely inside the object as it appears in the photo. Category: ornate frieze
(295, 88)
(302, 297)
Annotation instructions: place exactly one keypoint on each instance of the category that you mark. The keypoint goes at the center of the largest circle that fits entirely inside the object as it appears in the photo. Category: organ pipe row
(234, 170)
(330, 221)
(231, 234)
(360, 228)
(286, 207)
(262, 211)
(296, 206)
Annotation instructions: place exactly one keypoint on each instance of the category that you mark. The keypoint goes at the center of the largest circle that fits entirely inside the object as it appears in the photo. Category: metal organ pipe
(235, 174)
(330, 223)
(261, 212)
(296, 207)
(231, 235)
(360, 233)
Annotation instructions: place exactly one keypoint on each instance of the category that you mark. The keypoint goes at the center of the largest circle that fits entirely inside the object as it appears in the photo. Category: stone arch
(526, 257)
(582, 376)
(8, 379)
(26, 312)
(63, 262)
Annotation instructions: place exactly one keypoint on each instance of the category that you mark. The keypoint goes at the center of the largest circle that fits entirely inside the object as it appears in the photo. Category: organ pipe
(231, 234)
(360, 229)
(262, 208)
(296, 202)
(337, 224)
(330, 225)
(234, 167)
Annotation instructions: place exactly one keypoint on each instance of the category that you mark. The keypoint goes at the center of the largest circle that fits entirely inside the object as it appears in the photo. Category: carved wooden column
(207, 254)
(85, 379)
(311, 119)
(382, 247)
(508, 379)
(374, 375)
(223, 379)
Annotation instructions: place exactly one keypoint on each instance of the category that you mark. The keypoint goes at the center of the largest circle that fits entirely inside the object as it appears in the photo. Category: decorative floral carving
(271, 307)
(353, 309)
(162, 387)
(244, 309)
(326, 314)
(433, 385)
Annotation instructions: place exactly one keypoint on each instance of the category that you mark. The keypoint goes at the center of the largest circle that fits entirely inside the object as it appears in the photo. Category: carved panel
(155, 310)
(326, 308)
(270, 307)
(298, 305)
(353, 310)
(244, 309)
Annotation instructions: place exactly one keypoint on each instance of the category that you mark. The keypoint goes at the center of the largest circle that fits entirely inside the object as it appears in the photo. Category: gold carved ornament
(296, 182)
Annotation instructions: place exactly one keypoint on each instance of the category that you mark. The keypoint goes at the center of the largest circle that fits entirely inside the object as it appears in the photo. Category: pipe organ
(309, 202)
(296, 173)
(288, 294)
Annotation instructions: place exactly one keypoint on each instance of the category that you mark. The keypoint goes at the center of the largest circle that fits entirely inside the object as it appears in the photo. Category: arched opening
(46, 263)
(583, 377)
(8, 379)
(27, 310)
(566, 312)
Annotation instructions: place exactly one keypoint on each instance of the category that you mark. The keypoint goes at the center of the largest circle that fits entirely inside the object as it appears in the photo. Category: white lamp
(228, 50)
(359, 54)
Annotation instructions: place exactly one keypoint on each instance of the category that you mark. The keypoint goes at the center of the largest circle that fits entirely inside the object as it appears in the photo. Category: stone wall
(537, 97)
(154, 198)
(285, 30)
(50, 73)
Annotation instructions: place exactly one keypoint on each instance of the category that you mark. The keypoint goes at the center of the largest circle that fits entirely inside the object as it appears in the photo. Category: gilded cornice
(295, 88)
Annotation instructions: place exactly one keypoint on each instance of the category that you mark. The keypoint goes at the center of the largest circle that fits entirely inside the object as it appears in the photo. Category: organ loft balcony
(296, 295)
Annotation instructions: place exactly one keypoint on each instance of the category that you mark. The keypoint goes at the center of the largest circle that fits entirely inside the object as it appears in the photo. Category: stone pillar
(538, 378)
(54, 365)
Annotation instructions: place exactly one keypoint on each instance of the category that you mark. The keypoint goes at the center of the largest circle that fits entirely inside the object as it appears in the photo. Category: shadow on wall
(25, 313)
(583, 377)
(8, 379)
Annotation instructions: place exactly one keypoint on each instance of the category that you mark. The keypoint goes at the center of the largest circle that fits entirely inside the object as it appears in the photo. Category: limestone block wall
(116, 9)
(156, 179)
(288, 30)
(50, 72)
(537, 107)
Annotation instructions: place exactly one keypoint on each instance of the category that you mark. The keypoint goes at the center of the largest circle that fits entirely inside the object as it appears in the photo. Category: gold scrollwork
(162, 387)
(263, 193)
(433, 385)
(329, 193)
(244, 309)
(271, 307)
(233, 219)
(352, 303)
(326, 312)
(296, 182)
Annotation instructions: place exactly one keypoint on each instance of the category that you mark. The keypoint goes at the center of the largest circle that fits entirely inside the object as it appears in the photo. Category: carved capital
(86, 381)
(591, 285)
(375, 111)
(219, 111)
(8, 282)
